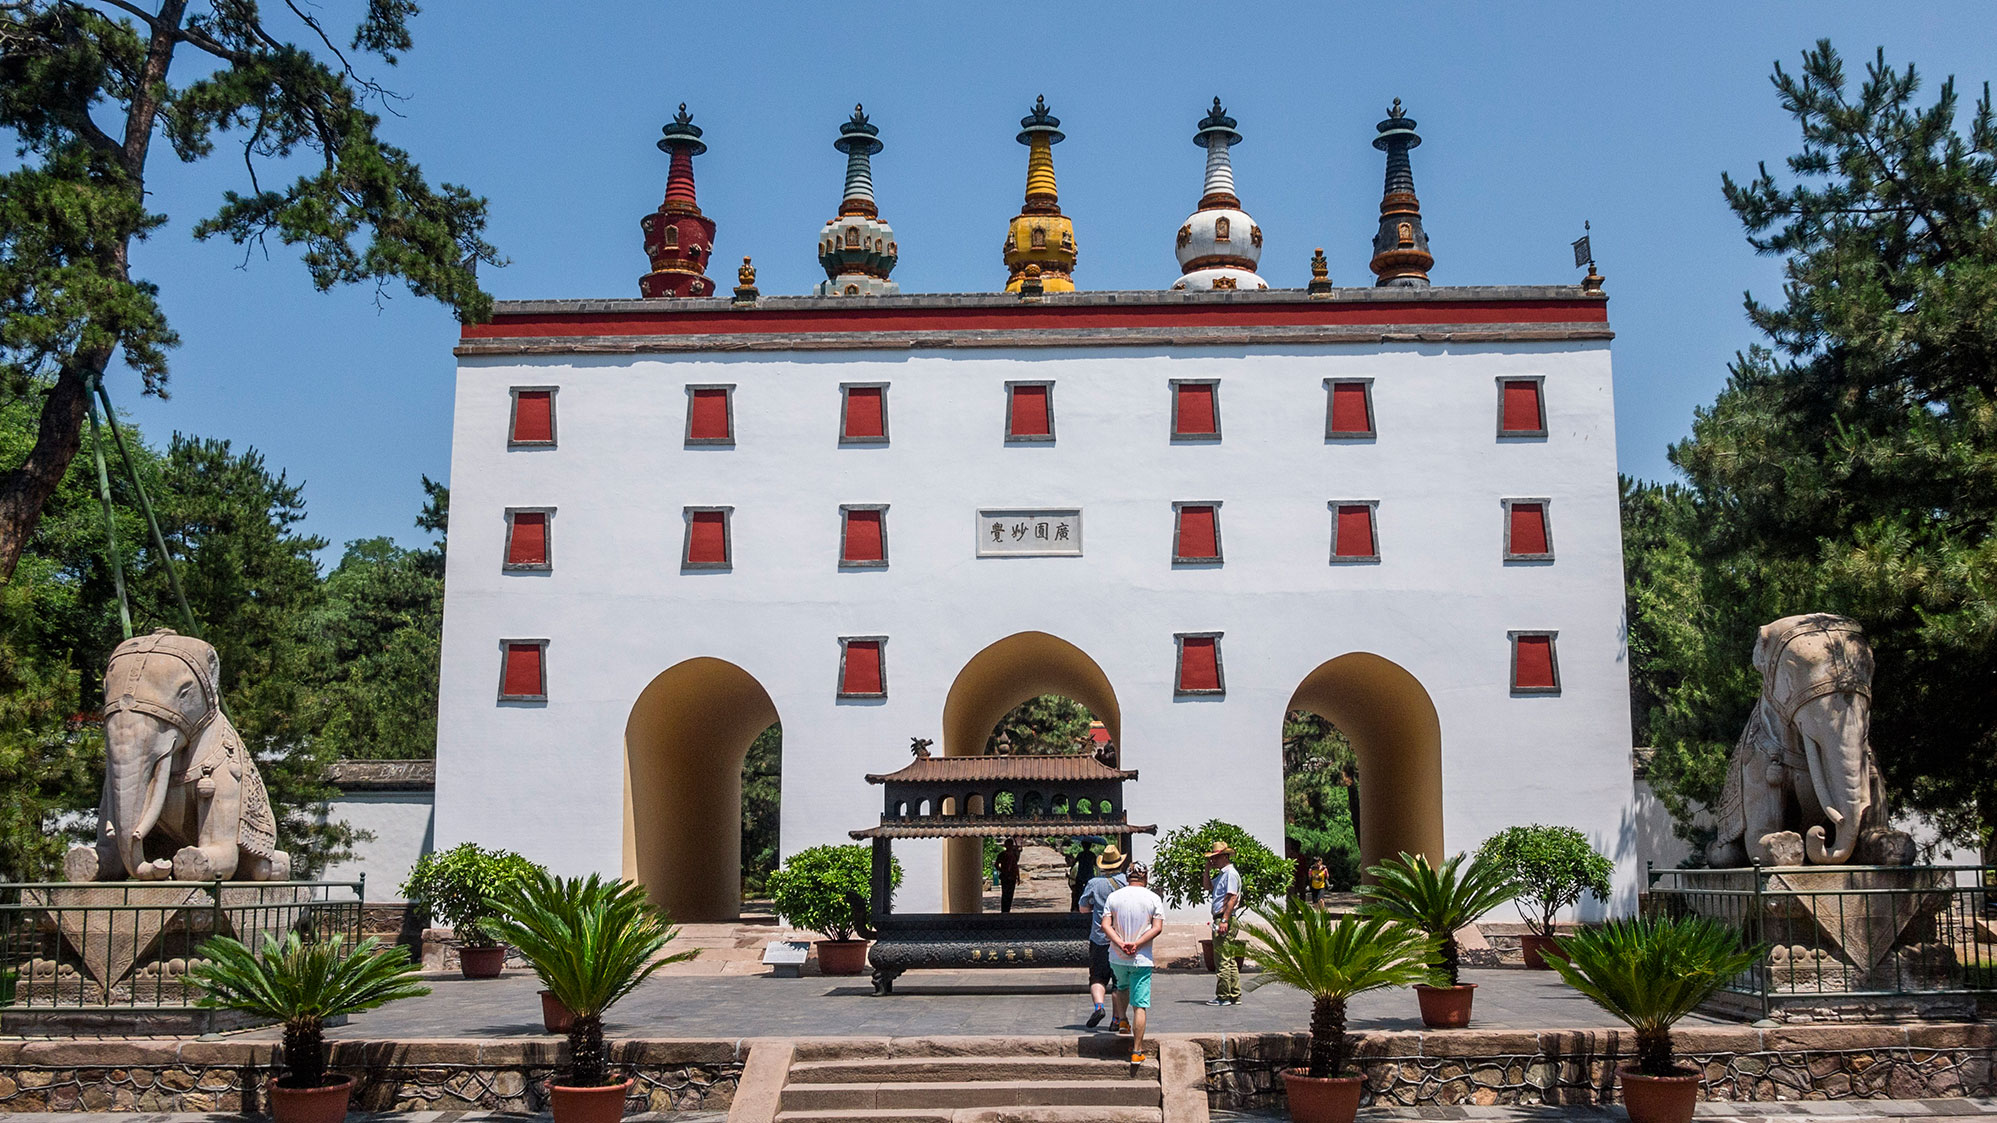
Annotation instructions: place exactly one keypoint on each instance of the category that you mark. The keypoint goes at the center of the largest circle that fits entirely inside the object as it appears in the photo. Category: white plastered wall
(547, 779)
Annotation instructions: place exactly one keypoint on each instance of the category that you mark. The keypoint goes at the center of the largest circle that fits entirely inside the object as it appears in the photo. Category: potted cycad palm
(1549, 868)
(301, 985)
(1332, 960)
(816, 890)
(1438, 901)
(1650, 972)
(592, 942)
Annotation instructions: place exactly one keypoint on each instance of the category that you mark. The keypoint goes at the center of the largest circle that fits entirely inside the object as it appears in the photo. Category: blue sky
(1534, 118)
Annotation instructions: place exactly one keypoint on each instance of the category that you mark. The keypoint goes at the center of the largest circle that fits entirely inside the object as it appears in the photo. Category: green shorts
(1135, 983)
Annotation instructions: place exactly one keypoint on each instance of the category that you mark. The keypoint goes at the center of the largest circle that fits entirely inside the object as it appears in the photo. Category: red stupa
(678, 238)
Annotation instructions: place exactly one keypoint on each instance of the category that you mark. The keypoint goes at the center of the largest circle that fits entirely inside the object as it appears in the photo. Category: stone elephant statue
(182, 797)
(1802, 784)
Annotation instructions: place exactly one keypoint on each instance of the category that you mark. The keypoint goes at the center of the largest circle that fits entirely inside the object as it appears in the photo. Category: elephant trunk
(138, 754)
(1835, 749)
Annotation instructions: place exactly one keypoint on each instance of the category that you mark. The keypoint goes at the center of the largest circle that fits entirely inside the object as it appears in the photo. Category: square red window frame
(513, 415)
(846, 509)
(881, 643)
(1372, 556)
(547, 561)
(506, 647)
(728, 405)
(1331, 430)
(727, 539)
(1552, 658)
(1539, 396)
(1219, 547)
(1545, 522)
(1178, 436)
(845, 395)
(1179, 689)
(1029, 438)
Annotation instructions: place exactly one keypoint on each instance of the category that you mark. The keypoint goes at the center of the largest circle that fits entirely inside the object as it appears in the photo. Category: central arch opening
(1388, 719)
(996, 681)
(684, 748)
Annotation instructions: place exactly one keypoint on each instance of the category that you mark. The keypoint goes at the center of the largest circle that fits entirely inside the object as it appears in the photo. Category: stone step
(972, 1093)
(976, 1115)
(905, 1070)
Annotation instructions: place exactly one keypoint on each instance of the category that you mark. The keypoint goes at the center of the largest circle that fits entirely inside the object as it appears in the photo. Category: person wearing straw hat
(1109, 878)
(1224, 889)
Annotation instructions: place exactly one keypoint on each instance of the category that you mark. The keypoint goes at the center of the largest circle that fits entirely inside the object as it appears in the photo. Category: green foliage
(302, 984)
(458, 887)
(1179, 865)
(591, 942)
(1850, 463)
(384, 614)
(1650, 972)
(1321, 795)
(762, 789)
(1436, 901)
(83, 93)
(1004, 803)
(811, 890)
(1548, 869)
(1047, 725)
(1332, 959)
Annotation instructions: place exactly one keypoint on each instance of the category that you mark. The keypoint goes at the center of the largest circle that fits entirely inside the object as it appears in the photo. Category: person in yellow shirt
(1319, 878)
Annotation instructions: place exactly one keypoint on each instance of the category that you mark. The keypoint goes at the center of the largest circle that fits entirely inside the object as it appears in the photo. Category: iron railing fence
(128, 944)
(1847, 932)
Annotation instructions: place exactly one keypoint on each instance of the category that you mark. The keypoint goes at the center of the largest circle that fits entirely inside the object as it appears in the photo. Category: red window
(1522, 411)
(1352, 536)
(707, 415)
(866, 414)
(1199, 664)
(707, 538)
(1198, 534)
(864, 541)
(524, 672)
(1351, 409)
(1195, 412)
(533, 417)
(527, 540)
(1032, 413)
(861, 674)
(1533, 665)
(1526, 537)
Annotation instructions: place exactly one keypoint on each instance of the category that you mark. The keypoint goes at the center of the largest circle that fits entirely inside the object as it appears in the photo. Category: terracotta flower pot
(1445, 1007)
(481, 963)
(588, 1105)
(1536, 949)
(555, 1017)
(842, 957)
(1322, 1099)
(326, 1104)
(1659, 1099)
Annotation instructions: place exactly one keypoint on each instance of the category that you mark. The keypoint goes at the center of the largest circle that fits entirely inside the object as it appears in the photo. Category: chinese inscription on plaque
(1030, 532)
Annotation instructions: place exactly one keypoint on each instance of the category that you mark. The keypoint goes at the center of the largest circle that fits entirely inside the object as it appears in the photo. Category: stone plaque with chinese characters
(1030, 532)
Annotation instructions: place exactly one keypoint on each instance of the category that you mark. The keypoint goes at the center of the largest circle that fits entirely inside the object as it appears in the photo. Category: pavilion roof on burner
(1007, 827)
(987, 769)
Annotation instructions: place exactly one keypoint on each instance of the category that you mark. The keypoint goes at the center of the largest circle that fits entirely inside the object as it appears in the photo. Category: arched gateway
(1391, 721)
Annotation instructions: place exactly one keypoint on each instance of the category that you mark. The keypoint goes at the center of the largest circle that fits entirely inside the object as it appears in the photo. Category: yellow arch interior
(683, 750)
(1390, 720)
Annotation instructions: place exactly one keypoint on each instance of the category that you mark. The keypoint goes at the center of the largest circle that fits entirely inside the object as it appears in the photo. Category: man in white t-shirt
(1132, 918)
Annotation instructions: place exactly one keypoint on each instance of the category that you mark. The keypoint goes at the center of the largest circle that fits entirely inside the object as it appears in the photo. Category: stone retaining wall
(169, 1075)
(1916, 1061)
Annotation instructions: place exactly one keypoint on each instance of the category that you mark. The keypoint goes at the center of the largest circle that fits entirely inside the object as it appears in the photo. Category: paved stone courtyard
(935, 1003)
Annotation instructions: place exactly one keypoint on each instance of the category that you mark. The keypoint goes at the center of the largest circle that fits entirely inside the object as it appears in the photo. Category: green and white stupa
(857, 248)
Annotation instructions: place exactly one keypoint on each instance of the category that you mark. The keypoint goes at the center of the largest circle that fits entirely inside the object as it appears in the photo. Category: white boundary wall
(547, 779)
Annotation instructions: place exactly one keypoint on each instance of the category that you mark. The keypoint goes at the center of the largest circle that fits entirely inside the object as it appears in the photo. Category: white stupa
(1219, 246)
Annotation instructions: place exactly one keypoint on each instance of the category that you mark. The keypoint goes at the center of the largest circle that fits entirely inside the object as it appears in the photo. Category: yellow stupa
(1041, 235)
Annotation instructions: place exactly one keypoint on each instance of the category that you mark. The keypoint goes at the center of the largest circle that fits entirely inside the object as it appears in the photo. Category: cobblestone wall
(1578, 1067)
(175, 1076)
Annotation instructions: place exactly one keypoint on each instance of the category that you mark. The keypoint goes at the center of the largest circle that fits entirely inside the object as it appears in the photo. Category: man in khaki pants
(1224, 887)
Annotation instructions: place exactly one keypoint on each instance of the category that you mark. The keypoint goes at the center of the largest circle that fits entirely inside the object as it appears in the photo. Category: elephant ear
(1762, 638)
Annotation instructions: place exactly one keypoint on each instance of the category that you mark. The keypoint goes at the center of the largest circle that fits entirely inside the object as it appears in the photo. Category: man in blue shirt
(1108, 879)
(1224, 889)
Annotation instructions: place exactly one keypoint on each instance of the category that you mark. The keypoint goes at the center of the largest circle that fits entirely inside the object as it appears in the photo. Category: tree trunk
(1452, 959)
(589, 1067)
(1653, 1052)
(25, 490)
(304, 1054)
(1327, 1037)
